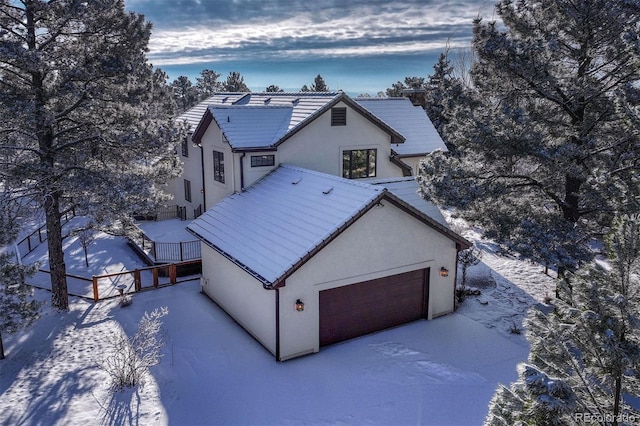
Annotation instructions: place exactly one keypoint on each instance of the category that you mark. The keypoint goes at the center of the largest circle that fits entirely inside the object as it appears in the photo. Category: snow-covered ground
(440, 372)
(167, 231)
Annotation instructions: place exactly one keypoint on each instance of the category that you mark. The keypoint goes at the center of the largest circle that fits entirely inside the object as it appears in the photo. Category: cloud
(189, 31)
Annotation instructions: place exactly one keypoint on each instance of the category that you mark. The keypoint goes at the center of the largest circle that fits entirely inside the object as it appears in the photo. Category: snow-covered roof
(287, 216)
(282, 219)
(251, 111)
(410, 121)
(252, 126)
(406, 188)
(194, 114)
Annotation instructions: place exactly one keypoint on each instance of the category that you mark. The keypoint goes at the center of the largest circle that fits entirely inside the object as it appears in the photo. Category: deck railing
(158, 251)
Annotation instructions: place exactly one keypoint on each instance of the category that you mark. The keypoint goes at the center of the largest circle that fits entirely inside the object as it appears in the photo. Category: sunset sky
(359, 46)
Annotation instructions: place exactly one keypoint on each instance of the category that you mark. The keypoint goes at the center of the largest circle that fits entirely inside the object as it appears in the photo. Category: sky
(359, 46)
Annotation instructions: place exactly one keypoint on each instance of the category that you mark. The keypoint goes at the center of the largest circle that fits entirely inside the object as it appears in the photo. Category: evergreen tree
(319, 85)
(399, 88)
(84, 115)
(585, 355)
(396, 90)
(17, 307)
(548, 134)
(185, 93)
(305, 88)
(235, 83)
(207, 84)
(273, 88)
(443, 92)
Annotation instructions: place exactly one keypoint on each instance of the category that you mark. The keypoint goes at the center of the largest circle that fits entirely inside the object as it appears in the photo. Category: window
(262, 160)
(185, 146)
(359, 163)
(338, 116)
(218, 166)
(187, 190)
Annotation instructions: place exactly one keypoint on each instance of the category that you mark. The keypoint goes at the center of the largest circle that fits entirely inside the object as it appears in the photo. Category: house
(237, 138)
(303, 259)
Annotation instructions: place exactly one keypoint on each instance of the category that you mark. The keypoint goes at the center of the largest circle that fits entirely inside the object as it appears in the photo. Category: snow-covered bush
(130, 358)
(466, 258)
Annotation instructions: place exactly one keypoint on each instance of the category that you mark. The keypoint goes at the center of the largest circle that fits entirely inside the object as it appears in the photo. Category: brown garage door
(368, 306)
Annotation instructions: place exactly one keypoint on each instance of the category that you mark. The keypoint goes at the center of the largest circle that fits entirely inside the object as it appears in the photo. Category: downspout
(277, 290)
(277, 324)
(455, 277)
(204, 190)
(242, 171)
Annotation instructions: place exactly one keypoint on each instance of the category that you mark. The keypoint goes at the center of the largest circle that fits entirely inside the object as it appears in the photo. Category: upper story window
(218, 166)
(262, 160)
(185, 146)
(359, 163)
(338, 116)
(187, 190)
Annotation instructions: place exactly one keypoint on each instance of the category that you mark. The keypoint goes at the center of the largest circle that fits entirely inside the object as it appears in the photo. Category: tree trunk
(616, 403)
(1, 346)
(59, 295)
(571, 208)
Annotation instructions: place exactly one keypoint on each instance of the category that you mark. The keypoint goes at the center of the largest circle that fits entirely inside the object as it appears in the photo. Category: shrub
(130, 358)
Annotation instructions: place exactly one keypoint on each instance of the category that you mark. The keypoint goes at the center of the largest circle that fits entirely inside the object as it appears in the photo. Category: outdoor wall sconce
(299, 305)
(444, 272)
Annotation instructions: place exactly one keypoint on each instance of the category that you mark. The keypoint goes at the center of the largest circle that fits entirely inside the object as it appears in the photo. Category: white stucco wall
(252, 174)
(413, 163)
(216, 191)
(191, 170)
(385, 241)
(319, 145)
(241, 296)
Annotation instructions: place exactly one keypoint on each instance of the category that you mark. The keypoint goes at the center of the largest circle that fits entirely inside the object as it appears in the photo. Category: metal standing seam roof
(194, 114)
(282, 219)
(252, 126)
(409, 120)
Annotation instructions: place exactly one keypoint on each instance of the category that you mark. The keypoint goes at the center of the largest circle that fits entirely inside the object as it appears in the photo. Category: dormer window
(338, 116)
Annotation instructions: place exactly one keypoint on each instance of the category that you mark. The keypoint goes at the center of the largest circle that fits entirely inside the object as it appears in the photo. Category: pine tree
(396, 90)
(85, 117)
(17, 307)
(185, 93)
(235, 83)
(443, 91)
(319, 85)
(207, 84)
(548, 134)
(585, 355)
(273, 88)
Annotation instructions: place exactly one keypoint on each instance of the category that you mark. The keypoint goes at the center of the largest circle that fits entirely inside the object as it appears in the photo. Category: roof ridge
(386, 98)
(248, 106)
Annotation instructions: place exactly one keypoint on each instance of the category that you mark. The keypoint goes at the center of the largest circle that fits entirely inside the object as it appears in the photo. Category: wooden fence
(109, 285)
(37, 237)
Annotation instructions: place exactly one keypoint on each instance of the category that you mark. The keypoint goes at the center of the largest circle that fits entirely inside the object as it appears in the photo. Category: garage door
(368, 306)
